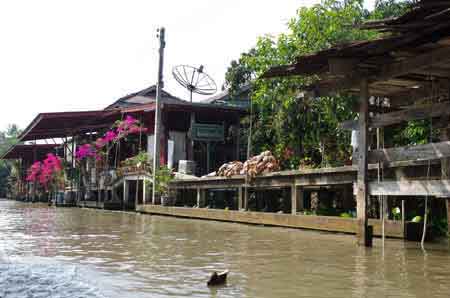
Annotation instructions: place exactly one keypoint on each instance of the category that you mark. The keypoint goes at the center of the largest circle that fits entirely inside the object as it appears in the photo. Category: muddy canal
(48, 252)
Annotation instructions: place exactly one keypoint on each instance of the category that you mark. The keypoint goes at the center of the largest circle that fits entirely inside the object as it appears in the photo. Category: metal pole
(159, 86)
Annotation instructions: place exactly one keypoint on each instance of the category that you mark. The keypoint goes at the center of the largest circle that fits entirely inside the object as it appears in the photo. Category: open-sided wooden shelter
(409, 64)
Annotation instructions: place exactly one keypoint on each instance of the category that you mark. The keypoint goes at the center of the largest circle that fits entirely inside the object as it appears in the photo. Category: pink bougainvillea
(122, 129)
(129, 126)
(129, 121)
(100, 143)
(44, 172)
(33, 172)
(83, 151)
(110, 136)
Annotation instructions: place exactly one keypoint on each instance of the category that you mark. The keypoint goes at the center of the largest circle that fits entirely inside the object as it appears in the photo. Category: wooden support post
(300, 199)
(99, 196)
(245, 201)
(403, 218)
(125, 194)
(136, 194)
(362, 187)
(144, 192)
(445, 170)
(240, 198)
(208, 157)
(237, 138)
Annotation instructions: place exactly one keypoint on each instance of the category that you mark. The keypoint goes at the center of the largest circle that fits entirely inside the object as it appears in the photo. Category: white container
(186, 167)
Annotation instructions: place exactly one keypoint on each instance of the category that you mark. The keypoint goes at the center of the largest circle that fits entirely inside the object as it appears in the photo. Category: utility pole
(159, 86)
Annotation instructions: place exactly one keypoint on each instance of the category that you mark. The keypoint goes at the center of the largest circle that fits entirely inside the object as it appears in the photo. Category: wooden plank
(438, 188)
(322, 223)
(349, 125)
(322, 180)
(414, 113)
(420, 152)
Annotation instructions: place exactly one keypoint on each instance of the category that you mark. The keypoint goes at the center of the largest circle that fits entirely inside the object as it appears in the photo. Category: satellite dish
(194, 79)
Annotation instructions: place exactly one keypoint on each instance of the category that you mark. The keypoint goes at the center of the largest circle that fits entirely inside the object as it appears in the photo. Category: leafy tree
(301, 129)
(7, 139)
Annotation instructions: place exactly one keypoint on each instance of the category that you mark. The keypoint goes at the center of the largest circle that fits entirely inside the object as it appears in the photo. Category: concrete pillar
(201, 197)
(296, 199)
(362, 185)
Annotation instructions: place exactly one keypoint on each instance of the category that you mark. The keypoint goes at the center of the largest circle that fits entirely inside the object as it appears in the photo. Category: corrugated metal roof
(145, 96)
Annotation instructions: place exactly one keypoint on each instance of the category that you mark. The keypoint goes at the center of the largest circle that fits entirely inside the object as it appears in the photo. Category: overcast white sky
(58, 55)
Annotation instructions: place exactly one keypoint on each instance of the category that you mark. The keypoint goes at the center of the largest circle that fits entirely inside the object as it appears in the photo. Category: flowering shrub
(49, 172)
(84, 151)
(120, 131)
(46, 172)
(33, 171)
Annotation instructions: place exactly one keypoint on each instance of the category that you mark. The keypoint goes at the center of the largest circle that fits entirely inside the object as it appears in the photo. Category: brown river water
(72, 252)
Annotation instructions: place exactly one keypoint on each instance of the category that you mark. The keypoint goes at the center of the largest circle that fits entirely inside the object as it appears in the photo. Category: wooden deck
(322, 223)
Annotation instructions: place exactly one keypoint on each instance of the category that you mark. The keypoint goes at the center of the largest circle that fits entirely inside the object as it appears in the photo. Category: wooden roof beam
(438, 188)
(420, 152)
(412, 64)
(387, 71)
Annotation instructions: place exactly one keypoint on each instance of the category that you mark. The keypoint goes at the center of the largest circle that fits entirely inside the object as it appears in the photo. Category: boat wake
(43, 280)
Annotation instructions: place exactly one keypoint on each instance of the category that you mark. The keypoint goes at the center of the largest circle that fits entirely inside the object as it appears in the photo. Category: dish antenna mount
(194, 79)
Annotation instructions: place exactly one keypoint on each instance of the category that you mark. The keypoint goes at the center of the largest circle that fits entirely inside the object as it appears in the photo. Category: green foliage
(140, 160)
(7, 139)
(345, 215)
(286, 120)
(417, 219)
(163, 177)
(388, 8)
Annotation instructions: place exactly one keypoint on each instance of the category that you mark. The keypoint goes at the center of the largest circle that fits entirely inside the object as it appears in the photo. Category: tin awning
(65, 124)
(29, 152)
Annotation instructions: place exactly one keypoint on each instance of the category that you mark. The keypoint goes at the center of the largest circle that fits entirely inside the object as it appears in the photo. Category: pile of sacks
(230, 169)
(259, 164)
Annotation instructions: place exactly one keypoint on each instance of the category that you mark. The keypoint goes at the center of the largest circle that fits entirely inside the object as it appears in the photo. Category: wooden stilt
(125, 194)
(245, 201)
(144, 184)
(240, 198)
(362, 186)
(300, 199)
(136, 196)
(445, 170)
(237, 139)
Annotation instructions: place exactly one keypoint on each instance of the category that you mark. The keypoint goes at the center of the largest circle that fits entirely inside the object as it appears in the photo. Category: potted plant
(163, 178)
(137, 163)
